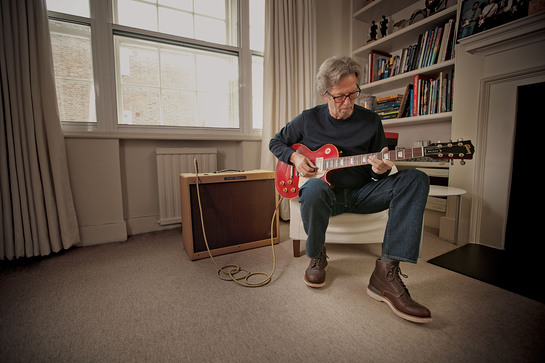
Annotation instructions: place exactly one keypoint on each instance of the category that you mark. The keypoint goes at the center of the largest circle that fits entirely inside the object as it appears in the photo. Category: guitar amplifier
(237, 209)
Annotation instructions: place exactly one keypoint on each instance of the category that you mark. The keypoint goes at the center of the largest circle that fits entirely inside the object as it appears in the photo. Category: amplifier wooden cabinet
(237, 207)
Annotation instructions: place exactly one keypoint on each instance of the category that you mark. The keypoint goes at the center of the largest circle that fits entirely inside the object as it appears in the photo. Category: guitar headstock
(461, 149)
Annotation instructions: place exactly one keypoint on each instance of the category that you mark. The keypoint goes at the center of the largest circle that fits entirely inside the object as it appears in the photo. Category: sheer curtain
(289, 69)
(37, 214)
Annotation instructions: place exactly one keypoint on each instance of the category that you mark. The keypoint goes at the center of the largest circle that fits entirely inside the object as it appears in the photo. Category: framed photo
(477, 16)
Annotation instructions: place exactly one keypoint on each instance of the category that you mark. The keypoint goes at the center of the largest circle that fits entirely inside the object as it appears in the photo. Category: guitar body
(287, 179)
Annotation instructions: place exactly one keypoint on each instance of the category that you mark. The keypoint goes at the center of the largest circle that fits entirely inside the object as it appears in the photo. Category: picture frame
(477, 16)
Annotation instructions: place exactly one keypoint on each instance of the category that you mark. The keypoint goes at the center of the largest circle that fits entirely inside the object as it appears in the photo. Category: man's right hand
(303, 165)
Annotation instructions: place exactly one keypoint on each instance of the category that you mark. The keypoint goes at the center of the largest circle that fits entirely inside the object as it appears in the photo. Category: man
(355, 130)
(470, 20)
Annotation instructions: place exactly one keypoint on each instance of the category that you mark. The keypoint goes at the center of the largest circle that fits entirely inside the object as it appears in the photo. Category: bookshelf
(435, 126)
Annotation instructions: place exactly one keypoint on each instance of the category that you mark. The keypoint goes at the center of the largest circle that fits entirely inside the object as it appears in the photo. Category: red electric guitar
(327, 159)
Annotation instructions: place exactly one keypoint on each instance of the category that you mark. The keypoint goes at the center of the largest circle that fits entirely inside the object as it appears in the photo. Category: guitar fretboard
(357, 160)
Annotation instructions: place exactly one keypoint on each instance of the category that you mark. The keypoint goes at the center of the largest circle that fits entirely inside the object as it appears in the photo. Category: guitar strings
(229, 272)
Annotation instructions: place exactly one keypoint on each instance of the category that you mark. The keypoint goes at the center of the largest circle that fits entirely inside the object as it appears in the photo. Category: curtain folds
(37, 214)
(289, 67)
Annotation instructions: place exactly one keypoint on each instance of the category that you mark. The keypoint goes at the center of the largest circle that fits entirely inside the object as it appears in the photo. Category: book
(403, 107)
(444, 42)
(376, 58)
(417, 93)
(434, 56)
(389, 98)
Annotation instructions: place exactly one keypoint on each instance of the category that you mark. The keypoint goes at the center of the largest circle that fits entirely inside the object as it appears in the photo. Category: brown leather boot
(315, 273)
(386, 285)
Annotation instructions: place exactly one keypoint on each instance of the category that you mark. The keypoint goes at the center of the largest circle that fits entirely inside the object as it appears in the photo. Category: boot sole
(379, 297)
(314, 284)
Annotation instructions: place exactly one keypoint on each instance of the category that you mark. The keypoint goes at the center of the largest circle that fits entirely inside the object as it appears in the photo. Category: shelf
(419, 120)
(377, 8)
(407, 35)
(401, 80)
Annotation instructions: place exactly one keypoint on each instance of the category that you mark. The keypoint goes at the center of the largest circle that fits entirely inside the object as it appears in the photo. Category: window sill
(147, 135)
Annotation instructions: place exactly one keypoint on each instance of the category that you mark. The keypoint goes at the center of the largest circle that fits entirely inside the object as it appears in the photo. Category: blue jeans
(404, 194)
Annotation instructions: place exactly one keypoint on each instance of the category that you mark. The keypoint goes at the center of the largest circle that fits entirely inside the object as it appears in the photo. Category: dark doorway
(522, 229)
(517, 267)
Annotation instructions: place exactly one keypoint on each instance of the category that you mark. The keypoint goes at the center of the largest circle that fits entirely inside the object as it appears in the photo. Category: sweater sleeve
(292, 133)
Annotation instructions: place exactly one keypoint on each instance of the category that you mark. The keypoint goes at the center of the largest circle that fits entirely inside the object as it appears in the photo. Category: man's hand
(303, 165)
(380, 166)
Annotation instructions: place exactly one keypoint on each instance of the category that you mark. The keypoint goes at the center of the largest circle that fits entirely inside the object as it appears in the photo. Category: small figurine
(373, 31)
(383, 26)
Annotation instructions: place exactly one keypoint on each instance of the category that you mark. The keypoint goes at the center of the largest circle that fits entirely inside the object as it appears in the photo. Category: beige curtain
(289, 67)
(37, 214)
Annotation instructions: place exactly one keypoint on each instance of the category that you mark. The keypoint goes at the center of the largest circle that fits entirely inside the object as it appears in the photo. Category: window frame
(103, 50)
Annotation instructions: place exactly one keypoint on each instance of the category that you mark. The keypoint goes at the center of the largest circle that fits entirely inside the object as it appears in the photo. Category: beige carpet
(144, 300)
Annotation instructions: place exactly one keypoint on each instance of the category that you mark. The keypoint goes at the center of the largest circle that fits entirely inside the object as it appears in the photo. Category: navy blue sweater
(361, 133)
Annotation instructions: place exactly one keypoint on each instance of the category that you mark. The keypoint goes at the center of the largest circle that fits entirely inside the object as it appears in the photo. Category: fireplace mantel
(515, 34)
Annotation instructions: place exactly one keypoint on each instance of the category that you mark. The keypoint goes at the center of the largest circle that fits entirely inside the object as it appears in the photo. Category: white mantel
(489, 68)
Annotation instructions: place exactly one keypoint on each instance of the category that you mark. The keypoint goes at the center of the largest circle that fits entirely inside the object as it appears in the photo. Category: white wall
(114, 182)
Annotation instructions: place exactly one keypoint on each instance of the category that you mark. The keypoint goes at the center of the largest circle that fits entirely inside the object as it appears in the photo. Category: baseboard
(138, 225)
(104, 233)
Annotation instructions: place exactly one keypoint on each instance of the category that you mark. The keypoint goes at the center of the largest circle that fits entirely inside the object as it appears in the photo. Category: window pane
(208, 20)
(72, 60)
(176, 22)
(73, 7)
(257, 92)
(257, 25)
(137, 14)
(166, 85)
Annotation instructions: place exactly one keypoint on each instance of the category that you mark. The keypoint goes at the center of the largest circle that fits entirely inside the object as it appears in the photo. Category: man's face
(342, 110)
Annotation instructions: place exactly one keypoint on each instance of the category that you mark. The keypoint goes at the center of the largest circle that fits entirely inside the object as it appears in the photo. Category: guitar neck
(358, 160)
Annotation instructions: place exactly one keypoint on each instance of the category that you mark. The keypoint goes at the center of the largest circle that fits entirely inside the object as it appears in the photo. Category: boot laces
(394, 273)
(320, 261)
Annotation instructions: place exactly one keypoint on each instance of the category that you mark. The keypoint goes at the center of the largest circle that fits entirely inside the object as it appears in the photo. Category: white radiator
(170, 164)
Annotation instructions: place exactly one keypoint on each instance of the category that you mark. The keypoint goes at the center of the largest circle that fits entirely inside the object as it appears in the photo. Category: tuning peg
(462, 162)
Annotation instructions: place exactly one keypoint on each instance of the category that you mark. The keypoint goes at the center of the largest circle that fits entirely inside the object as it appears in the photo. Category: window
(174, 64)
(72, 59)
(171, 85)
(209, 20)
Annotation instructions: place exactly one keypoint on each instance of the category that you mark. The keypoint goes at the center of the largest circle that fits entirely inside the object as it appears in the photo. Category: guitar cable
(229, 272)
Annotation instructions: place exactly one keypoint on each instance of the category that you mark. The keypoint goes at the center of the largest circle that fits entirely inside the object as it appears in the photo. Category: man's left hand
(380, 166)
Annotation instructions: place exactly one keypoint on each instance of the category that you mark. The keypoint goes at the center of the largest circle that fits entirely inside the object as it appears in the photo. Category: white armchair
(343, 228)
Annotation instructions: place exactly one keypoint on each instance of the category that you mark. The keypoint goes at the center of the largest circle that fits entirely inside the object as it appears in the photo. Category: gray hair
(333, 69)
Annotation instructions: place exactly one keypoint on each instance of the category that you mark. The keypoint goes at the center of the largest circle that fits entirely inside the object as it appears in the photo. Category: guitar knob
(290, 182)
(293, 190)
(285, 190)
(282, 183)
